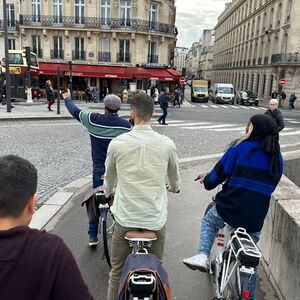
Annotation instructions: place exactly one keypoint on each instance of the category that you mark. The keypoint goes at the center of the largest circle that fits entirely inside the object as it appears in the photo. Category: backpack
(141, 263)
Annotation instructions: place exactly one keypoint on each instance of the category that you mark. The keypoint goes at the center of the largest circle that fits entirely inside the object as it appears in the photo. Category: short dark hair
(143, 105)
(18, 182)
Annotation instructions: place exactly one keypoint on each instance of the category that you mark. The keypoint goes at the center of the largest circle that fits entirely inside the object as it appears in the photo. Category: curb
(54, 204)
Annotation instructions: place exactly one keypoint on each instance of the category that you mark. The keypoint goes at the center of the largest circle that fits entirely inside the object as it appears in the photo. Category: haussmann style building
(257, 44)
(115, 44)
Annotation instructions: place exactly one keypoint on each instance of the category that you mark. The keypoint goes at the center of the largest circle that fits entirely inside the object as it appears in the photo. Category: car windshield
(198, 89)
(251, 94)
(226, 90)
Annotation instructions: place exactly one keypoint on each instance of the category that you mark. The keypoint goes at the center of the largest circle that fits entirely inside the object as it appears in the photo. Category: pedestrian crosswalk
(231, 106)
(220, 127)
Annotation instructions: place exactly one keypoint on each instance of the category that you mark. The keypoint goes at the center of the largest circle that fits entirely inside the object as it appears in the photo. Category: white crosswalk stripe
(224, 106)
(214, 106)
(244, 107)
(294, 122)
(290, 133)
(209, 126)
(233, 106)
(204, 106)
(256, 108)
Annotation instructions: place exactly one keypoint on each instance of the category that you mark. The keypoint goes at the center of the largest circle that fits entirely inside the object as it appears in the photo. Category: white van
(223, 93)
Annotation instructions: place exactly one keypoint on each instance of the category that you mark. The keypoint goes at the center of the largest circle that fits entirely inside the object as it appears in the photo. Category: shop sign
(111, 76)
(15, 70)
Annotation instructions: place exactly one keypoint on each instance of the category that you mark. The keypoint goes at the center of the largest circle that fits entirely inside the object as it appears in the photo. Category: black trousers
(162, 118)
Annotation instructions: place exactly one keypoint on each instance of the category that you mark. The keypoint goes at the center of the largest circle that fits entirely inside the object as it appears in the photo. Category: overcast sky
(192, 16)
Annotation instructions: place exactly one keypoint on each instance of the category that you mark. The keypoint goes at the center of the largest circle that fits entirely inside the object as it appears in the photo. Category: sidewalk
(38, 110)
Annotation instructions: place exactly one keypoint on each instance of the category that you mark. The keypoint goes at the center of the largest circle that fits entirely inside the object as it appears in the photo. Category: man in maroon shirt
(34, 264)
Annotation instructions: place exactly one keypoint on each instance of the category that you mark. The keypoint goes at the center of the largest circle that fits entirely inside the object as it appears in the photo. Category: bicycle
(107, 222)
(232, 262)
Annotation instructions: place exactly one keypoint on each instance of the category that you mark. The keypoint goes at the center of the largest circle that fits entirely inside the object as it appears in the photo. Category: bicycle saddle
(140, 235)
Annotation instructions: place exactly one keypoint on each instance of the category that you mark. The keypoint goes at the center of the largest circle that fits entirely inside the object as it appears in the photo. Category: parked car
(247, 98)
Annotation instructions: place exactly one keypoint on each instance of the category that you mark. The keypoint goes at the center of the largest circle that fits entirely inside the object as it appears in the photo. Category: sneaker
(197, 262)
(93, 241)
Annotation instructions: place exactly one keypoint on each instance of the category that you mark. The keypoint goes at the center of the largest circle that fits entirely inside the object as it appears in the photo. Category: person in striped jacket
(102, 129)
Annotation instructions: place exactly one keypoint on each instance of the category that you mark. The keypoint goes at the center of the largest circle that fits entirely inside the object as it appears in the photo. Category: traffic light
(27, 54)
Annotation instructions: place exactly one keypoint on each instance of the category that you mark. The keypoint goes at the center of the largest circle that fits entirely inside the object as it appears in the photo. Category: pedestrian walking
(50, 94)
(275, 113)
(88, 95)
(156, 94)
(35, 265)
(274, 95)
(292, 101)
(283, 97)
(102, 129)
(3, 93)
(139, 162)
(164, 104)
(176, 100)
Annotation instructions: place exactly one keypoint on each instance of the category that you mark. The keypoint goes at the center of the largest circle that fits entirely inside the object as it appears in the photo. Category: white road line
(294, 122)
(230, 129)
(263, 108)
(244, 107)
(234, 106)
(204, 106)
(224, 106)
(287, 128)
(256, 108)
(214, 106)
(184, 124)
(290, 133)
(210, 126)
(289, 145)
(171, 121)
(217, 155)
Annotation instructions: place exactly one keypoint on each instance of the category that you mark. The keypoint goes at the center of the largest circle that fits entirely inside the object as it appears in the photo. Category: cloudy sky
(192, 16)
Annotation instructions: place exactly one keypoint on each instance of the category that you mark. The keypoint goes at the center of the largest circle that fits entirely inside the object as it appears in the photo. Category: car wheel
(256, 103)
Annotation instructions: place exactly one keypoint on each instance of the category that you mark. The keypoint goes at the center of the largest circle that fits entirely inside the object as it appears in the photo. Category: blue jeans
(211, 223)
(97, 181)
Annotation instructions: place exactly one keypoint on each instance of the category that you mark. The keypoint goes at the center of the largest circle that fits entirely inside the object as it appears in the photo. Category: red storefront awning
(47, 68)
(86, 70)
(160, 74)
(175, 74)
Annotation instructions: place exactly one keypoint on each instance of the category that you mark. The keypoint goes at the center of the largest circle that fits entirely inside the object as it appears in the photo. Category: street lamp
(7, 71)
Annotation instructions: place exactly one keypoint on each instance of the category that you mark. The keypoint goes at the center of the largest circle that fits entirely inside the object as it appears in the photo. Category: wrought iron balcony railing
(286, 58)
(104, 56)
(38, 52)
(152, 59)
(12, 25)
(78, 55)
(56, 54)
(123, 57)
(97, 23)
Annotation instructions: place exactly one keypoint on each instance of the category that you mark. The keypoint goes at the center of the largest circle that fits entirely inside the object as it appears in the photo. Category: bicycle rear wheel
(107, 231)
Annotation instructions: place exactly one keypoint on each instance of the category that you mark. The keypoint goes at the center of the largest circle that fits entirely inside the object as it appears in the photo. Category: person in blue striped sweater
(250, 170)
(102, 129)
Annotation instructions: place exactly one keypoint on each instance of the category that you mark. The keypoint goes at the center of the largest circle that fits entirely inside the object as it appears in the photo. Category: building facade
(257, 44)
(192, 61)
(121, 39)
(179, 58)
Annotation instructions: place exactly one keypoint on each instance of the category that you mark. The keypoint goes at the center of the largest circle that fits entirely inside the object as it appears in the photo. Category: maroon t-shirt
(36, 265)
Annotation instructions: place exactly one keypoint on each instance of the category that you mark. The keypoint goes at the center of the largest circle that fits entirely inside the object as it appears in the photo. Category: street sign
(282, 81)
(182, 80)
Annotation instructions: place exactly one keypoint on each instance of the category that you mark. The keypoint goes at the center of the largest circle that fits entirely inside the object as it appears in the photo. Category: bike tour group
(131, 162)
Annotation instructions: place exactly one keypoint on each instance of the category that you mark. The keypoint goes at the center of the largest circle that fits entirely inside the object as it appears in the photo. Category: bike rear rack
(142, 285)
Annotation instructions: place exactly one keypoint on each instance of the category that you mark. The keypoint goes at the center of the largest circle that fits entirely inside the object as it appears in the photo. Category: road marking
(231, 129)
(290, 133)
(256, 108)
(289, 145)
(184, 124)
(244, 107)
(294, 122)
(209, 127)
(214, 106)
(171, 121)
(234, 106)
(224, 106)
(218, 155)
(204, 106)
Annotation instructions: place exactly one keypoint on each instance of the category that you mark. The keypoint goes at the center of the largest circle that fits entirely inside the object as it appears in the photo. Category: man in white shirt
(137, 163)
